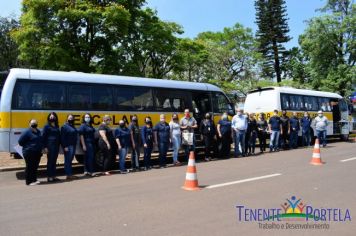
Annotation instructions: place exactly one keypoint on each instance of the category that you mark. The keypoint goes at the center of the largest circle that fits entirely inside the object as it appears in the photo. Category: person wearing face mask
(188, 124)
(208, 132)
(106, 145)
(175, 130)
(321, 124)
(147, 140)
(87, 138)
(294, 129)
(224, 133)
(262, 127)
(69, 137)
(285, 121)
(123, 140)
(274, 128)
(306, 126)
(51, 139)
(135, 143)
(239, 126)
(32, 145)
(162, 137)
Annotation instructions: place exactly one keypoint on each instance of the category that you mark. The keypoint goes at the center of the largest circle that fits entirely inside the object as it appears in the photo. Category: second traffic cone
(191, 178)
(316, 160)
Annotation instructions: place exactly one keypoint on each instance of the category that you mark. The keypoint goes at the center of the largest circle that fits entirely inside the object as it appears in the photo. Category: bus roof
(291, 90)
(108, 79)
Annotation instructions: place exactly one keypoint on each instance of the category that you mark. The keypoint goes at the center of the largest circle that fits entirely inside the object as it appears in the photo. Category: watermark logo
(293, 209)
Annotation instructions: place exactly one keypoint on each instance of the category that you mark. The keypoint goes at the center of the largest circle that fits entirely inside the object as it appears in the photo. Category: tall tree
(271, 19)
(329, 42)
(69, 35)
(9, 51)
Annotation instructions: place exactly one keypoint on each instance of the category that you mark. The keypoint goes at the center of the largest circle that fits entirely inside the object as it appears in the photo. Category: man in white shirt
(239, 126)
(321, 124)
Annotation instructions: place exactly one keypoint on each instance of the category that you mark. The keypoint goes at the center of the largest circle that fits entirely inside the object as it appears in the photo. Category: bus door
(201, 103)
(334, 104)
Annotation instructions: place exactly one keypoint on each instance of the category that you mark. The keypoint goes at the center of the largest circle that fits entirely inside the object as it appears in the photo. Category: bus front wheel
(344, 137)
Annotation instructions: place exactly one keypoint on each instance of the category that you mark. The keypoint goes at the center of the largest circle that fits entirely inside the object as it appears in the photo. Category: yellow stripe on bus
(5, 120)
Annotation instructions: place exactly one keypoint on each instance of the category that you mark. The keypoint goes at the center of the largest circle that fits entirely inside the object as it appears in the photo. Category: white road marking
(350, 159)
(243, 181)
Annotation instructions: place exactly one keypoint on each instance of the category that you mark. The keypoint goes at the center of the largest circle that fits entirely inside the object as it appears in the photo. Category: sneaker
(34, 183)
(107, 173)
(56, 180)
(50, 179)
(124, 172)
(94, 175)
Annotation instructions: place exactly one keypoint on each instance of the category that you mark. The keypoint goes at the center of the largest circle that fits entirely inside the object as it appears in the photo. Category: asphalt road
(153, 203)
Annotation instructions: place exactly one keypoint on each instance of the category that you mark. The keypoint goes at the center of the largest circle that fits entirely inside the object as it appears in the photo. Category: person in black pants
(69, 137)
(252, 127)
(262, 127)
(247, 134)
(52, 139)
(107, 144)
(208, 131)
(87, 139)
(32, 145)
(284, 139)
(224, 132)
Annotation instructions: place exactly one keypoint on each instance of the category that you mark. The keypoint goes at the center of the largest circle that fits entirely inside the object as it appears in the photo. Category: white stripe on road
(243, 181)
(350, 159)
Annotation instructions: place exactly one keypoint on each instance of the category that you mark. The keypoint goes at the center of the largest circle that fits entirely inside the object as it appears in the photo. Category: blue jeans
(52, 155)
(68, 158)
(274, 140)
(306, 137)
(135, 155)
(321, 135)
(293, 139)
(176, 142)
(147, 157)
(162, 149)
(239, 140)
(89, 157)
(122, 158)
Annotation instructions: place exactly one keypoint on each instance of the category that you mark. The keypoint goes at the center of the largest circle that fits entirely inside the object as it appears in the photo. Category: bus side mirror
(231, 111)
(196, 110)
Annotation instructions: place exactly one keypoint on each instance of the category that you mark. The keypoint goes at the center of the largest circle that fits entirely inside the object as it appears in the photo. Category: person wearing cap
(106, 144)
(188, 124)
(123, 140)
(275, 129)
(135, 142)
(162, 135)
(32, 145)
(321, 124)
(239, 126)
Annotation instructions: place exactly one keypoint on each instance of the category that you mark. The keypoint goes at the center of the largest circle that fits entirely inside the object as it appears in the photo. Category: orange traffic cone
(316, 160)
(191, 179)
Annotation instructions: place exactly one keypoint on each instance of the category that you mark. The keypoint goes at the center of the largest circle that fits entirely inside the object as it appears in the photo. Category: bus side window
(79, 97)
(220, 103)
(285, 101)
(170, 100)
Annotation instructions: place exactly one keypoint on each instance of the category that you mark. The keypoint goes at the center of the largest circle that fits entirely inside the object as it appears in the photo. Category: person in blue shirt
(123, 140)
(275, 129)
(69, 138)
(162, 137)
(306, 129)
(51, 139)
(294, 129)
(87, 138)
(224, 133)
(32, 145)
(147, 140)
(135, 143)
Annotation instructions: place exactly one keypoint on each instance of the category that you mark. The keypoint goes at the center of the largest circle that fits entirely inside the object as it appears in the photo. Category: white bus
(29, 93)
(335, 108)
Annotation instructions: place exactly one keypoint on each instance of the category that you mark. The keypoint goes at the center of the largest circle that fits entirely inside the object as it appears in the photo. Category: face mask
(239, 113)
(134, 121)
(207, 117)
(305, 115)
(52, 120)
(87, 119)
(320, 115)
(148, 122)
(175, 119)
(34, 126)
(163, 120)
(224, 117)
(187, 115)
(70, 122)
(122, 125)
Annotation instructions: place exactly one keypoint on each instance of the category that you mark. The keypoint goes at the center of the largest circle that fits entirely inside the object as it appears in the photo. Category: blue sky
(197, 16)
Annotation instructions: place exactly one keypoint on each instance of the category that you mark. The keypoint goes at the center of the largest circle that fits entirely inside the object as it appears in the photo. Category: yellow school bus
(33, 94)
